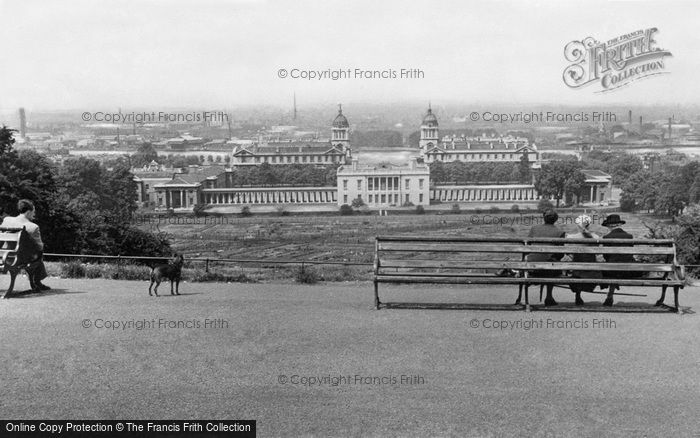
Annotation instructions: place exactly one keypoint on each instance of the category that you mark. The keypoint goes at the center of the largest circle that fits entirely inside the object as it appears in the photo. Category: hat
(612, 220)
(584, 220)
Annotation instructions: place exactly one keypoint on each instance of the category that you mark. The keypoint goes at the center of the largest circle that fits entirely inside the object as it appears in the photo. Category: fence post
(206, 269)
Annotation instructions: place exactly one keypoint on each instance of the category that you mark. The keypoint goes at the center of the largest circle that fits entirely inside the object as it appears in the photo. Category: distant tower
(295, 106)
(22, 123)
(429, 132)
(341, 132)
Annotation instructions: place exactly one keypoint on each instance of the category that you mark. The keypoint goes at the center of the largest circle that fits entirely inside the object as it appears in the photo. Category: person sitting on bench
(548, 229)
(36, 271)
(583, 224)
(613, 222)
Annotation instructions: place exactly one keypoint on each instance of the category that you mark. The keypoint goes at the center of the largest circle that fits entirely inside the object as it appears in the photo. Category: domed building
(472, 149)
(429, 133)
(333, 151)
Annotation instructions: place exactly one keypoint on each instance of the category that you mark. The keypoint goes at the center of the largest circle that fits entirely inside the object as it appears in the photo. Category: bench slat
(653, 242)
(508, 264)
(506, 280)
(522, 249)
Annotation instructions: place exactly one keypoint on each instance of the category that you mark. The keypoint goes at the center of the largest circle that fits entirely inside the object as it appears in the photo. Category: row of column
(172, 194)
(494, 194)
(272, 197)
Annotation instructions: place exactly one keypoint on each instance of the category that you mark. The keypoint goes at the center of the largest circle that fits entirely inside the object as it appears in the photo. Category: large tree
(29, 175)
(560, 180)
(144, 155)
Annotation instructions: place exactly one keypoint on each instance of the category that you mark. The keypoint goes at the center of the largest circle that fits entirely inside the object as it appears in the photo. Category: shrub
(346, 210)
(494, 209)
(306, 275)
(93, 271)
(408, 204)
(420, 210)
(245, 211)
(198, 209)
(281, 211)
(357, 202)
(342, 273)
(627, 205)
(514, 208)
(72, 270)
(455, 209)
(478, 210)
(206, 277)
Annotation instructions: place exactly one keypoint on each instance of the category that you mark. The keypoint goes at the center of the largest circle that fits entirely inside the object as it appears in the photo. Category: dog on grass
(172, 271)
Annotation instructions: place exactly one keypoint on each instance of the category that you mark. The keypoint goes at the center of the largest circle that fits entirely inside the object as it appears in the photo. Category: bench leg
(376, 295)
(663, 296)
(541, 289)
(675, 298)
(520, 294)
(527, 298)
(13, 277)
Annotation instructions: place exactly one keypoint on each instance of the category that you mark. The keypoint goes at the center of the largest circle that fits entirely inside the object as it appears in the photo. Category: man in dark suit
(548, 229)
(613, 222)
(36, 271)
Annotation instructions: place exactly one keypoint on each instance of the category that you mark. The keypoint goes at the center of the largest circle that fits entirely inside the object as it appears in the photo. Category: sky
(157, 54)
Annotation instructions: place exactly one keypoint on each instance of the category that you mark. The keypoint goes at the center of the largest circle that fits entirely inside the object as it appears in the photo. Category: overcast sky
(92, 55)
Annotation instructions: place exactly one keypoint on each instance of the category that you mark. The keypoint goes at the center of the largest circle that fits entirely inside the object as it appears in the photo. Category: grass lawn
(631, 375)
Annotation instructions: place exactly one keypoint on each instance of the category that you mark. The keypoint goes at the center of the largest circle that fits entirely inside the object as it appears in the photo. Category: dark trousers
(36, 270)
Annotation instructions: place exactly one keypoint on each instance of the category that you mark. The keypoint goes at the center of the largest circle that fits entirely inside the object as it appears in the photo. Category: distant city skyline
(220, 54)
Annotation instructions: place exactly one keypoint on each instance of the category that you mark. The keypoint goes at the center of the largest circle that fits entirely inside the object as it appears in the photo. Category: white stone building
(384, 185)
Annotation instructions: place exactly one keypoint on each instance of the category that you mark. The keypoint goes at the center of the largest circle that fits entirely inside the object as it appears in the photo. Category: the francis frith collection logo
(616, 62)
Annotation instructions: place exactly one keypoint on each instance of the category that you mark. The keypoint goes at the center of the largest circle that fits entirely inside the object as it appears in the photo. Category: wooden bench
(476, 260)
(17, 251)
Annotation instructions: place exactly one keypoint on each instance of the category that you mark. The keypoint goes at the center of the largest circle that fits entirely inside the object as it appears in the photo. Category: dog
(172, 271)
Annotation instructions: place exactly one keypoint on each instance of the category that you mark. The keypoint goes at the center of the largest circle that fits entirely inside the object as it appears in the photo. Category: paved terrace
(633, 374)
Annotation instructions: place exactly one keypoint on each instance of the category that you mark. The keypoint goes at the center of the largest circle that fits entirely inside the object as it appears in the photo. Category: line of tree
(460, 172)
(266, 174)
(83, 207)
(667, 189)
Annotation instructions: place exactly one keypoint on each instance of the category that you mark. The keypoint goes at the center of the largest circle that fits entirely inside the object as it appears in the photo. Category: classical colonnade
(483, 193)
(272, 196)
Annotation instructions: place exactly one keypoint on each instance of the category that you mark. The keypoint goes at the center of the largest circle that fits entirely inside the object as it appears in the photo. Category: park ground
(596, 373)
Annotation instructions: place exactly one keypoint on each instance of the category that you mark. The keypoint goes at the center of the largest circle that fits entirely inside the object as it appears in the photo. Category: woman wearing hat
(583, 224)
(613, 222)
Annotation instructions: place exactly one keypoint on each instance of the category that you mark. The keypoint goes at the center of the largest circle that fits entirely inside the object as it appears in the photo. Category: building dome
(340, 121)
(430, 120)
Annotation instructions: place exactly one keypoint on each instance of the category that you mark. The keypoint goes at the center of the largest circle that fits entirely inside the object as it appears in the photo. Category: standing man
(548, 229)
(36, 269)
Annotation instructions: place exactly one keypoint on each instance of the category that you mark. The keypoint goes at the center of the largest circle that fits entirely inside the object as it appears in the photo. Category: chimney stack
(641, 125)
(630, 118)
(669, 128)
(22, 123)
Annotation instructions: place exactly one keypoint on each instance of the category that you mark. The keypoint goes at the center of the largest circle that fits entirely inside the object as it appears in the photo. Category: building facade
(335, 151)
(597, 188)
(472, 149)
(384, 185)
